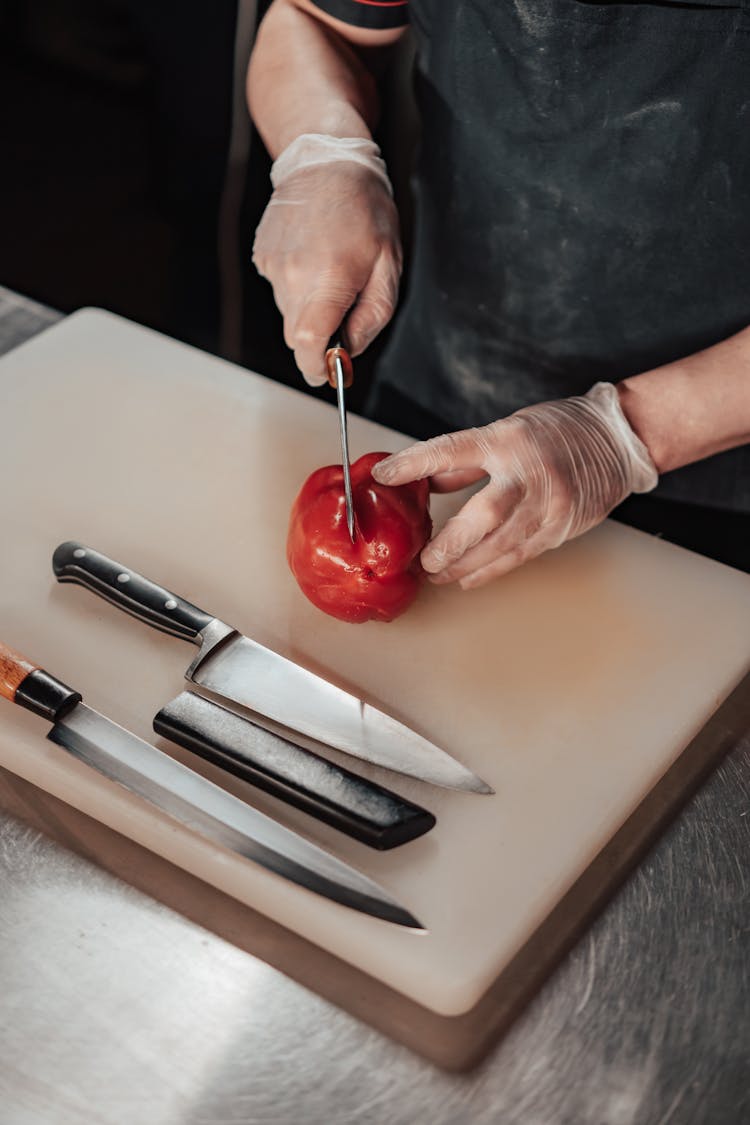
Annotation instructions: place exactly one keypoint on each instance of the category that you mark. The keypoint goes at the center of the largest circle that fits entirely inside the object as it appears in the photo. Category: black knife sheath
(362, 809)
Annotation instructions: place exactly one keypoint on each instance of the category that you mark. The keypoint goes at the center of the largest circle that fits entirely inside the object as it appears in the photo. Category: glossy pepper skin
(378, 576)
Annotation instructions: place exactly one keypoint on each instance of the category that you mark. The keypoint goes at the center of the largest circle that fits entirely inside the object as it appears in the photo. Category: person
(576, 323)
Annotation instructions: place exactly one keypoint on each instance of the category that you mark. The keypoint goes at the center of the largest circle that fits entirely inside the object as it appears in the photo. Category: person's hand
(329, 242)
(555, 470)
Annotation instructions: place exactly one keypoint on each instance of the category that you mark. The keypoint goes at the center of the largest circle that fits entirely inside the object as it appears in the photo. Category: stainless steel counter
(120, 1006)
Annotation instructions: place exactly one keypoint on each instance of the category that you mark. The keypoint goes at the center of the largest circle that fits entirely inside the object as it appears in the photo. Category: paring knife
(185, 795)
(340, 376)
(271, 686)
(366, 811)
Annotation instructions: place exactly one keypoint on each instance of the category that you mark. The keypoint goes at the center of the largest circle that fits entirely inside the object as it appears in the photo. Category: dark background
(115, 123)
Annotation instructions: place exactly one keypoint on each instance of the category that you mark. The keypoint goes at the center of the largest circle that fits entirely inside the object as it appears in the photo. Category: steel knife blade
(186, 796)
(268, 684)
(340, 376)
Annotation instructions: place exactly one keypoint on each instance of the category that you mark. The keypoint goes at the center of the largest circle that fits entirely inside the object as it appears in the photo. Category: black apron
(583, 206)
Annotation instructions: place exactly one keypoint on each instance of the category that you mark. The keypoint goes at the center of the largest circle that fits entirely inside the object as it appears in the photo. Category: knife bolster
(45, 696)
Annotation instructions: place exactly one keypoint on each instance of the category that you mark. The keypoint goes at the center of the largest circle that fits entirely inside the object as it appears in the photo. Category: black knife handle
(129, 590)
(360, 808)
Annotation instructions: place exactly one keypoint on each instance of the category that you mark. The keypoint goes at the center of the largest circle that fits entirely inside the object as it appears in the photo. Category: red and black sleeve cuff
(376, 14)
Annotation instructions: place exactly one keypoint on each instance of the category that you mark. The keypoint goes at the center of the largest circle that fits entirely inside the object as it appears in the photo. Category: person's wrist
(693, 407)
(311, 150)
(648, 419)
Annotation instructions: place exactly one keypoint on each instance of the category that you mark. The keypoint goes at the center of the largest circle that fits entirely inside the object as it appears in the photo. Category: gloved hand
(555, 470)
(329, 240)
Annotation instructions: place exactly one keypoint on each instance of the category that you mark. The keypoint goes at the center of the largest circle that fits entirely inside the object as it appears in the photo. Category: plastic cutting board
(571, 686)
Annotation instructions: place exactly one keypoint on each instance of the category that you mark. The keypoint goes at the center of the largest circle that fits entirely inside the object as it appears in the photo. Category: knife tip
(389, 910)
(410, 922)
(471, 783)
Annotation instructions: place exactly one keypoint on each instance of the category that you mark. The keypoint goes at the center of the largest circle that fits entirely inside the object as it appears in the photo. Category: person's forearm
(305, 78)
(694, 407)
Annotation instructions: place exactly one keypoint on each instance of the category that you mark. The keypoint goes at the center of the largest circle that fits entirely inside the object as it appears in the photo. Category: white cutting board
(570, 686)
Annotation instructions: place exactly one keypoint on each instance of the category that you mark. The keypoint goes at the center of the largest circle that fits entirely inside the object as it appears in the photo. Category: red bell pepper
(378, 575)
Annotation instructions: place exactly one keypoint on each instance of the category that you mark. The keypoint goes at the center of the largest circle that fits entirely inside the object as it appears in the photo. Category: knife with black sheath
(268, 684)
(368, 812)
(186, 796)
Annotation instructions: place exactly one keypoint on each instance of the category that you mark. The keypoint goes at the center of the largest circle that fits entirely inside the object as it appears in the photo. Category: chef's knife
(185, 795)
(362, 809)
(271, 686)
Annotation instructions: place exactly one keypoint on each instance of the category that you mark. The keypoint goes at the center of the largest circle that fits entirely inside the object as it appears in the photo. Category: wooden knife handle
(31, 687)
(334, 353)
(14, 669)
(129, 590)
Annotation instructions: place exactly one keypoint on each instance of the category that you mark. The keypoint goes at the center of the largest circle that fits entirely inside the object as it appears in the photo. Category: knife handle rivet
(123, 578)
(170, 603)
(79, 553)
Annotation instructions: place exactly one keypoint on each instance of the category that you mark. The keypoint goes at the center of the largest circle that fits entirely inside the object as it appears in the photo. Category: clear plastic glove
(555, 470)
(329, 242)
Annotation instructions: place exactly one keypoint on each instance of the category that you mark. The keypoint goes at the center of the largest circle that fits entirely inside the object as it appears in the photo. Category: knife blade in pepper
(271, 686)
(340, 376)
(186, 796)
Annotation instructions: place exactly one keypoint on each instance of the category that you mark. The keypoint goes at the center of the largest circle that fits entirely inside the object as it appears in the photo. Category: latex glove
(329, 242)
(555, 470)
